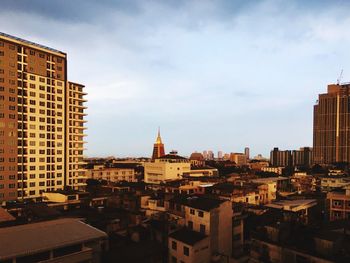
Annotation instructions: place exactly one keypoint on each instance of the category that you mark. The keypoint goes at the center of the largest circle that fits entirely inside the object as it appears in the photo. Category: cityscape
(61, 201)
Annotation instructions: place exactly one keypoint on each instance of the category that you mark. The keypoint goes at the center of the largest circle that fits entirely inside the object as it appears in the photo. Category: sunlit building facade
(41, 121)
(332, 125)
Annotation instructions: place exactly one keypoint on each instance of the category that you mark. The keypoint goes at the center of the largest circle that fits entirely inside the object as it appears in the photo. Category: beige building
(239, 158)
(41, 121)
(112, 174)
(212, 218)
(188, 246)
(166, 168)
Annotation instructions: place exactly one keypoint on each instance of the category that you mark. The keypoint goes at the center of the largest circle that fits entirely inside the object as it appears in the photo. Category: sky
(214, 75)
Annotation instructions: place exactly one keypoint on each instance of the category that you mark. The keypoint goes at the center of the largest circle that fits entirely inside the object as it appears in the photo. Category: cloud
(213, 74)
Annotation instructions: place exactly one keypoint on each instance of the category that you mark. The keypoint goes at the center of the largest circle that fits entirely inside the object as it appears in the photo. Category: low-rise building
(166, 168)
(61, 240)
(338, 204)
(111, 174)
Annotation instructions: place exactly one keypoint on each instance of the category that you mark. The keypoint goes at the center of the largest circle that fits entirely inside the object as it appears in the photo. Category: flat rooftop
(187, 236)
(293, 205)
(27, 42)
(39, 237)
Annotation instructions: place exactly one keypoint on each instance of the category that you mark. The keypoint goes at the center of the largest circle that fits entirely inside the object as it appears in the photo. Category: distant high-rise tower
(331, 125)
(246, 152)
(158, 147)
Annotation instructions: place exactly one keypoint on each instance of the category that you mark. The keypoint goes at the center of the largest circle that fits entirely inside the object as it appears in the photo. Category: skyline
(163, 50)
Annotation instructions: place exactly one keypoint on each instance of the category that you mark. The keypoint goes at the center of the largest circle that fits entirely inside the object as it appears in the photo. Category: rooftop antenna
(340, 77)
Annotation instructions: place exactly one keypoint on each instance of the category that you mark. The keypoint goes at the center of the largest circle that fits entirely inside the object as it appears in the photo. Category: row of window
(200, 213)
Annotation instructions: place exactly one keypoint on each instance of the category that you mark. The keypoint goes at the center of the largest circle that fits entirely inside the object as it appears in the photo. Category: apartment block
(41, 121)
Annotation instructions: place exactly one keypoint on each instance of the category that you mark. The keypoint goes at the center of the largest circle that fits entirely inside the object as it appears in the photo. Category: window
(200, 214)
(190, 225)
(186, 251)
(174, 245)
(237, 237)
(192, 211)
(202, 229)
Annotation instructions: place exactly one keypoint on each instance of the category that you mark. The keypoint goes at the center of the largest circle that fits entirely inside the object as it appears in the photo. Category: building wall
(199, 252)
(8, 126)
(216, 223)
(75, 172)
(338, 206)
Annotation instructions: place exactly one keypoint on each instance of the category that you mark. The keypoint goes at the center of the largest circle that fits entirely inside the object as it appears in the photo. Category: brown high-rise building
(158, 147)
(331, 142)
(41, 121)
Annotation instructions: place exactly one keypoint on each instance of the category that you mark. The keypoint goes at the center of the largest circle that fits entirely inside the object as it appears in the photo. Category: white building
(166, 168)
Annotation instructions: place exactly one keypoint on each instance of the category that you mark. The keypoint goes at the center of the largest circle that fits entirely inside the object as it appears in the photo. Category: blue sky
(217, 75)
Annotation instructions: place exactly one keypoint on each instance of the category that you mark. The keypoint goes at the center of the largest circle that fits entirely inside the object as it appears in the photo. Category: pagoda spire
(158, 147)
(159, 139)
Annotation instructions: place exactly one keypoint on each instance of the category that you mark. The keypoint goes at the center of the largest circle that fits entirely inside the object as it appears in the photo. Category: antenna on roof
(340, 77)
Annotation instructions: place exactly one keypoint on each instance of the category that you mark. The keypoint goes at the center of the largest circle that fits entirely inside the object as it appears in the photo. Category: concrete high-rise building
(41, 121)
(331, 140)
(220, 155)
(247, 152)
(158, 147)
(280, 158)
(302, 157)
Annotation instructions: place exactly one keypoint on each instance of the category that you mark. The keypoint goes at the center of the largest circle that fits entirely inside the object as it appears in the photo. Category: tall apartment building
(302, 157)
(331, 125)
(41, 121)
(280, 158)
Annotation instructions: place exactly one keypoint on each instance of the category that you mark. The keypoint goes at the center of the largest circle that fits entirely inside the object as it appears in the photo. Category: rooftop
(293, 205)
(203, 203)
(37, 237)
(31, 43)
(187, 236)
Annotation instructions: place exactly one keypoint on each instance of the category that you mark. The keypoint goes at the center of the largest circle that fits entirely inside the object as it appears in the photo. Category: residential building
(338, 204)
(61, 240)
(280, 158)
(166, 168)
(209, 218)
(238, 158)
(112, 174)
(41, 121)
(188, 246)
(331, 131)
(302, 157)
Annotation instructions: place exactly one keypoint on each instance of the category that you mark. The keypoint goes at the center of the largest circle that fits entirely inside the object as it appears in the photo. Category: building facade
(112, 174)
(38, 145)
(331, 132)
